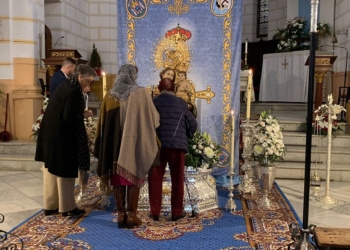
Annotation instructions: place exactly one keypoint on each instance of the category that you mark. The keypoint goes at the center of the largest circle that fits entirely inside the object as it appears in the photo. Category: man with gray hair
(62, 142)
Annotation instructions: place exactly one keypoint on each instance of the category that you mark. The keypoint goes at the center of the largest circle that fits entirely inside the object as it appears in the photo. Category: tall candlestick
(232, 156)
(246, 46)
(104, 84)
(249, 93)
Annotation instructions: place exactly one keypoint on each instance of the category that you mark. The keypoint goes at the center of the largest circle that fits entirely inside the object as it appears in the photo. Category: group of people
(136, 137)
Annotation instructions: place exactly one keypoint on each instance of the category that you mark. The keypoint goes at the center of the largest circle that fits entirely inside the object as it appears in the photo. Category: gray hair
(84, 70)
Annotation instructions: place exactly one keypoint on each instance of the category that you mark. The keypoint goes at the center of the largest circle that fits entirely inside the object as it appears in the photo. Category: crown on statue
(178, 34)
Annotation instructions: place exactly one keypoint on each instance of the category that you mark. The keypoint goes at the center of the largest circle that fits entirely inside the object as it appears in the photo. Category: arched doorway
(48, 41)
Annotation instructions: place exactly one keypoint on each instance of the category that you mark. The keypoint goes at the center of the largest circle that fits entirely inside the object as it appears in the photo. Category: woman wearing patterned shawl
(62, 142)
(126, 144)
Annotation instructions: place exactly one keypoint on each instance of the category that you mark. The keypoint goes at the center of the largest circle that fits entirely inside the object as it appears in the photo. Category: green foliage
(95, 59)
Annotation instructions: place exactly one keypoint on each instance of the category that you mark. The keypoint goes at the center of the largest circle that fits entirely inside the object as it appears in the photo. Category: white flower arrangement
(268, 139)
(36, 125)
(203, 151)
(91, 133)
(89, 125)
(290, 34)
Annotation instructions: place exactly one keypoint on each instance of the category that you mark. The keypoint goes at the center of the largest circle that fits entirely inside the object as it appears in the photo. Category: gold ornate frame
(226, 64)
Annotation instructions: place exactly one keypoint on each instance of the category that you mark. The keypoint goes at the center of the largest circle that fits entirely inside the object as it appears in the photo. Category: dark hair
(182, 72)
(165, 70)
(166, 84)
(69, 60)
(84, 70)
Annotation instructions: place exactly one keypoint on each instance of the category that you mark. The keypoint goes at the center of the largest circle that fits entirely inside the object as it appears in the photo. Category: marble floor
(21, 197)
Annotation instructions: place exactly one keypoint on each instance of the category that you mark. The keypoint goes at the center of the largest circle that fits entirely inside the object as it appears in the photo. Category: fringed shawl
(137, 148)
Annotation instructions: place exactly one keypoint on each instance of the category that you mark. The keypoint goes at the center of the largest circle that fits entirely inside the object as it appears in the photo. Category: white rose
(194, 146)
(209, 152)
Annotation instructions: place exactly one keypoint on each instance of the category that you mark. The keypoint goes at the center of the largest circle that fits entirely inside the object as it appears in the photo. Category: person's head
(166, 84)
(182, 75)
(168, 73)
(68, 66)
(127, 74)
(84, 75)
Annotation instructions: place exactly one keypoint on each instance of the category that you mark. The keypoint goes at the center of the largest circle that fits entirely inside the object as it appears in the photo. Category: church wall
(20, 28)
(249, 20)
(103, 32)
(71, 20)
(277, 16)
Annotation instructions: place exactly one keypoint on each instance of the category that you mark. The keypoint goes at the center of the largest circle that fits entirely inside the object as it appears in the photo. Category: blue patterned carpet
(247, 228)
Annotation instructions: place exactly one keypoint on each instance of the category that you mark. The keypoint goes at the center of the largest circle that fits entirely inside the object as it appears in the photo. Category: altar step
(293, 166)
(19, 156)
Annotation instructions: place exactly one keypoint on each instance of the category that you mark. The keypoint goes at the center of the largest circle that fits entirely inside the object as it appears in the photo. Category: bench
(332, 238)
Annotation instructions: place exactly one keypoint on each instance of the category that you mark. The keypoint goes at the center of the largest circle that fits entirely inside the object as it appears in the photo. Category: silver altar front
(199, 192)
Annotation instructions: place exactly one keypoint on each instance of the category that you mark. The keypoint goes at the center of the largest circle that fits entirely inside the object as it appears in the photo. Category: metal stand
(247, 185)
(301, 237)
(231, 205)
(83, 181)
(331, 111)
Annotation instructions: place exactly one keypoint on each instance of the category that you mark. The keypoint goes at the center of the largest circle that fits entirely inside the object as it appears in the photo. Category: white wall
(277, 15)
(103, 32)
(69, 18)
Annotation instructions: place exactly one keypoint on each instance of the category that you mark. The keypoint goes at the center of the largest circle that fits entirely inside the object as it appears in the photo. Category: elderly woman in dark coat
(62, 142)
(175, 121)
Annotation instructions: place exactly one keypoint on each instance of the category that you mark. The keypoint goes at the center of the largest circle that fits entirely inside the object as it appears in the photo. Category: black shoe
(154, 217)
(178, 217)
(75, 211)
(50, 212)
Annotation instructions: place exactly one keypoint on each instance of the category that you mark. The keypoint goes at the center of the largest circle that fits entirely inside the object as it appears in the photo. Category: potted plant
(95, 60)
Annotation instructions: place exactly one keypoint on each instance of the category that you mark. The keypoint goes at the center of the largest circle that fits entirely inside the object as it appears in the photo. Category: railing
(4, 237)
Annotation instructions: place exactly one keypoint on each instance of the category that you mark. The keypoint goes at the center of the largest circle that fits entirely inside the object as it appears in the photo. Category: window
(263, 18)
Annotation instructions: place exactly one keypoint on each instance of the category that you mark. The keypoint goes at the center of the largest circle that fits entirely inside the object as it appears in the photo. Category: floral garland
(88, 122)
(203, 151)
(268, 142)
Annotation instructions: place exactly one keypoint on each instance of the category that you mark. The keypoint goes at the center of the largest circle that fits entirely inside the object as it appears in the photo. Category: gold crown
(178, 34)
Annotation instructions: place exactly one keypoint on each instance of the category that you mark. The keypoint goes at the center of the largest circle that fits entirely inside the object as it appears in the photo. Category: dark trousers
(176, 160)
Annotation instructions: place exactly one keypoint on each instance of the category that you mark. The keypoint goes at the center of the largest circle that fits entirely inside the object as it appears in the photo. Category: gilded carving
(322, 61)
(178, 7)
(62, 54)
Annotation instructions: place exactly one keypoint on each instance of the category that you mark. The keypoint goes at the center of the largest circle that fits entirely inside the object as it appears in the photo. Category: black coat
(176, 121)
(56, 80)
(57, 138)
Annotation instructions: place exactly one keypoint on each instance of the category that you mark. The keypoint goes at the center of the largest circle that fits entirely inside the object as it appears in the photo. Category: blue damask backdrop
(207, 52)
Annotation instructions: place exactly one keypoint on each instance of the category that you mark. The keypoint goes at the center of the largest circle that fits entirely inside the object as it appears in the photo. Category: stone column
(20, 30)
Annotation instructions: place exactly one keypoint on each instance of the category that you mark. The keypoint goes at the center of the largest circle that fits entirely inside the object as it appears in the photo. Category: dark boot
(119, 195)
(133, 200)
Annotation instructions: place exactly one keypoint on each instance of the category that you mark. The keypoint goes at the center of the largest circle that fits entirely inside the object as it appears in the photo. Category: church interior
(275, 52)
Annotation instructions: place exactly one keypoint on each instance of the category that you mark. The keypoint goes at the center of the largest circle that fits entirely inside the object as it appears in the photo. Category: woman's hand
(87, 113)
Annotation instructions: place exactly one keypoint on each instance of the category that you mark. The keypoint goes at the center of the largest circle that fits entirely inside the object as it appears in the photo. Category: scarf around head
(125, 83)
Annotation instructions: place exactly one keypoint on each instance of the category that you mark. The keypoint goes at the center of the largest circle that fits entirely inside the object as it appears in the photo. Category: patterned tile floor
(21, 197)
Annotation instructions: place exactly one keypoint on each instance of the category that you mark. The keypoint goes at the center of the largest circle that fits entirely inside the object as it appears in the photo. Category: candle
(104, 84)
(249, 93)
(246, 46)
(232, 153)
